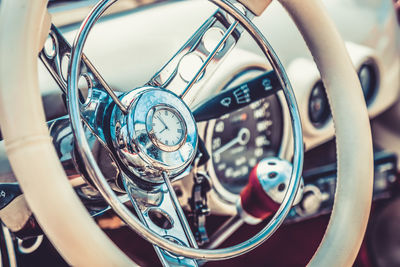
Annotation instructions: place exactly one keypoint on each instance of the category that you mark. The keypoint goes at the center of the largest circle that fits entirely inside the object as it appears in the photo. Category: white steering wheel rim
(54, 202)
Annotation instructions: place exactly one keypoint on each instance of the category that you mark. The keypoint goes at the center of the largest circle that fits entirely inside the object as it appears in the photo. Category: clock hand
(163, 130)
(165, 125)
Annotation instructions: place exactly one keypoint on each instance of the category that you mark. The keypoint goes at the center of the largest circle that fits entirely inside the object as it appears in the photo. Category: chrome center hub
(157, 135)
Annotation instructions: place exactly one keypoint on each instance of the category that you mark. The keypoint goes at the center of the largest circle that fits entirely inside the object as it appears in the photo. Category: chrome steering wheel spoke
(63, 140)
(158, 208)
(95, 96)
(196, 61)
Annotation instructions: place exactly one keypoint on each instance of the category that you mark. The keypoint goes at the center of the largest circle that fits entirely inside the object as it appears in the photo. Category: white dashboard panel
(130, 47)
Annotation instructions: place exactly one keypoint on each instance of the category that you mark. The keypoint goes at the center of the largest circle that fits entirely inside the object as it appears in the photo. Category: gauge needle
(242, 138)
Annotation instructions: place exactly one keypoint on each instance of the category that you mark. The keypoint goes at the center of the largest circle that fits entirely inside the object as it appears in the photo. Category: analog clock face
(168, 127)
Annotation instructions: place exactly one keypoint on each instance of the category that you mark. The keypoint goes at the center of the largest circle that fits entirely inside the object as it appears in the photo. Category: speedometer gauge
(241, 139)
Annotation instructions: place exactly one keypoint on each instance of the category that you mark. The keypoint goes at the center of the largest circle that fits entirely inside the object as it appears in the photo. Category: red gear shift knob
(265, 190)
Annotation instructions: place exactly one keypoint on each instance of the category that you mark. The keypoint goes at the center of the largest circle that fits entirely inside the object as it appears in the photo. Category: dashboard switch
(311, 202)
(8, 192)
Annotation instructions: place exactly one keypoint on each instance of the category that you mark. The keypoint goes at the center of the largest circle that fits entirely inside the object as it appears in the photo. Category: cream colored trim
(45, 30)
(32, 156)
(256, 6)
(10, 249)
(16, 214)
(349, 218)
(303, 74)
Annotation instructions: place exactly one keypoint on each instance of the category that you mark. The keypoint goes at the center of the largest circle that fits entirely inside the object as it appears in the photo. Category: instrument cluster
(237, 141)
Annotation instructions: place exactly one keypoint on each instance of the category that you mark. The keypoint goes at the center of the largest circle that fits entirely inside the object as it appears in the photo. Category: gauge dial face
(241, 139)
(168, 127)
(368, 78)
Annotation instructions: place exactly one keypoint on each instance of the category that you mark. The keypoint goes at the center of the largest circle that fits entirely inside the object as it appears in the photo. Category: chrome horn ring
(102, 185)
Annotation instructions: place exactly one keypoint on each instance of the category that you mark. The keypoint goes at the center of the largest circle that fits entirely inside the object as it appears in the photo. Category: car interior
(199, 133)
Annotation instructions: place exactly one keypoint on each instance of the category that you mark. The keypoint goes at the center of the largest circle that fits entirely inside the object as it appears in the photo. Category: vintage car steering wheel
(24, 27)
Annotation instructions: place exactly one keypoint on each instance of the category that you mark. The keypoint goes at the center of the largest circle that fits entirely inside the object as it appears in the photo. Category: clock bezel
(152, 135)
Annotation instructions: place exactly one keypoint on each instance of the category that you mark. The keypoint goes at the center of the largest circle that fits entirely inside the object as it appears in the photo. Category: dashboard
(129, 56)
(129, 46)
